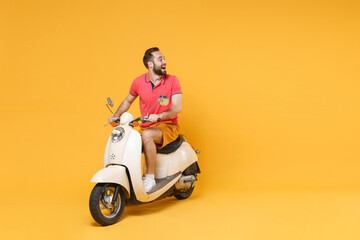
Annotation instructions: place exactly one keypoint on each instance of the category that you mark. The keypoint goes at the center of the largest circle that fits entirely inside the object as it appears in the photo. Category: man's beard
(159, 71)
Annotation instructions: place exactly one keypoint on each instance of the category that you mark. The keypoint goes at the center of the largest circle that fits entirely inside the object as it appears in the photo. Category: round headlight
(117, 134)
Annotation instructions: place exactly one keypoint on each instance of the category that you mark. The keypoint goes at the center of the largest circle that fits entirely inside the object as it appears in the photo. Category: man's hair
(148, 56)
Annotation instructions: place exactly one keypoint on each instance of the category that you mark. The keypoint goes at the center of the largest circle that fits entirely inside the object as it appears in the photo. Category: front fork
(117, 189)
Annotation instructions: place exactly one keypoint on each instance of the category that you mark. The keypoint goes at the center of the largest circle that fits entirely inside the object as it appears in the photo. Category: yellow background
(270, 96)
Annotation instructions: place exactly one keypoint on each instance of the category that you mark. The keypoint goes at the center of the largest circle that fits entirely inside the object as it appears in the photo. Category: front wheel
(102, 208)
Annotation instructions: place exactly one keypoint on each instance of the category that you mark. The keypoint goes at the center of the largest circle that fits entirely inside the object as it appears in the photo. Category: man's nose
(164, 61)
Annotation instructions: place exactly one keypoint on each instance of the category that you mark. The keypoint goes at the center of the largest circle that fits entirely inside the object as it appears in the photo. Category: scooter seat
(171, 147)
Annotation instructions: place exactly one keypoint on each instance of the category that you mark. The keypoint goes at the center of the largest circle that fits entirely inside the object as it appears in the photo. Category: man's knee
(151, 135)
(147, 136)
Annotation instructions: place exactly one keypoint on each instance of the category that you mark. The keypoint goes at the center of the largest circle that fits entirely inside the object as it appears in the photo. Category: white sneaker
(149, 183)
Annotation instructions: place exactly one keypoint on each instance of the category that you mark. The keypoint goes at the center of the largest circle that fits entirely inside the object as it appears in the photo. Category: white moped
(120, 180)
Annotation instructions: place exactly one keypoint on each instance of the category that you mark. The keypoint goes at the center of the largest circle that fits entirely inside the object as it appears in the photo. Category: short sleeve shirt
(169, 85)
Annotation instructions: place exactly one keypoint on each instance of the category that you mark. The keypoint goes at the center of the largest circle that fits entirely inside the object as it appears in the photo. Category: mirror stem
(147, 114)
(109, 109)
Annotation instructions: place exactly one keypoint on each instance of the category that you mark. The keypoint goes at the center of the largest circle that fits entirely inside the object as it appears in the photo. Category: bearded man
(149, 87)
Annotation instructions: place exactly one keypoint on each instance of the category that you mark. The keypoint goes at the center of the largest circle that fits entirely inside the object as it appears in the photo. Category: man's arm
(124, 106)
(175, 109)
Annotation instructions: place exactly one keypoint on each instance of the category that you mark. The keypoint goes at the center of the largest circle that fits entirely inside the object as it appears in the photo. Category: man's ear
(150, 64)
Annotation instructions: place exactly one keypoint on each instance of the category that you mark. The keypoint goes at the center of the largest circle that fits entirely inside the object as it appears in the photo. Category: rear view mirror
(110, 102)
(163, 100)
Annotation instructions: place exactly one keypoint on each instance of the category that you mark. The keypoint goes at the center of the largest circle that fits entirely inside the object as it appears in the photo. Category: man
(149, 87)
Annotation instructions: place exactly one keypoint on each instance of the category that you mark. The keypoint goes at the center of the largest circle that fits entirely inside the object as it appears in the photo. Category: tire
(101, 208)
(183, 194)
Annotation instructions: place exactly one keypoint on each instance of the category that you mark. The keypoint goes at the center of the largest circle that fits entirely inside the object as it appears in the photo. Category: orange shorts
(170, 132)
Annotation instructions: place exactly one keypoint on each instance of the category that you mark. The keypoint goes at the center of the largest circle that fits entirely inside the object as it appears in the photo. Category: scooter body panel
(113, 174)
(178, 161)
(162, 164)
(115, 150)
(132, 160)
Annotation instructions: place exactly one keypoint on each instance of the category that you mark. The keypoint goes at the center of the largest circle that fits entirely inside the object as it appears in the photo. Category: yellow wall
(271, 88)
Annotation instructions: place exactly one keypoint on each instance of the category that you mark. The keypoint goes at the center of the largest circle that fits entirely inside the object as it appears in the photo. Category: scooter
(120, 183)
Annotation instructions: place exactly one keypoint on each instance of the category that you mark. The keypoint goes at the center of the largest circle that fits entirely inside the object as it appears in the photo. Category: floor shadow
(149, 208)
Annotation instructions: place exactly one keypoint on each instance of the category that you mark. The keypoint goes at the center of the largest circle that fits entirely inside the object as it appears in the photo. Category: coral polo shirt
(142, 86)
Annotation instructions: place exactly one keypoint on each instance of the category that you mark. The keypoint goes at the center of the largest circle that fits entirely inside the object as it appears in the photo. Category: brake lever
(144, 119)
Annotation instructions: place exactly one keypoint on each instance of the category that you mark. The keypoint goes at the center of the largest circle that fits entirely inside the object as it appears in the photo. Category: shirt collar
(147, 78)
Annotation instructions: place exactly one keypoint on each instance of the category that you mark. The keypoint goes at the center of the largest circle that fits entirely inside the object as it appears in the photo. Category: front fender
(113, 174)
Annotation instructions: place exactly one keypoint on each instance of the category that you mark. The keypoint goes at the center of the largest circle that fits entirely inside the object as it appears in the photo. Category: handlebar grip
(159, 119)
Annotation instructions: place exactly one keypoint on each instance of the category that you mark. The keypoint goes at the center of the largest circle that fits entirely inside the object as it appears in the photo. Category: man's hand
(111, 119)
(173, 110)
(154, 117)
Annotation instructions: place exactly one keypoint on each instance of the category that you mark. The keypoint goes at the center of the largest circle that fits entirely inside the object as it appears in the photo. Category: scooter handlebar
(116, 121)
(142, 119)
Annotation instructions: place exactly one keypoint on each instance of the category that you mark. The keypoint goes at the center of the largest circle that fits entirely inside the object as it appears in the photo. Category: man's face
(159, 63)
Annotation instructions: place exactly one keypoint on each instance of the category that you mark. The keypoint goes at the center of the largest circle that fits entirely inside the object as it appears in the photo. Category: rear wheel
(102, 209)
(185, 193)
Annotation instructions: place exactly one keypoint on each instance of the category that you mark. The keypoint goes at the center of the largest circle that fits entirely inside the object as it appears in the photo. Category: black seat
(171, 147)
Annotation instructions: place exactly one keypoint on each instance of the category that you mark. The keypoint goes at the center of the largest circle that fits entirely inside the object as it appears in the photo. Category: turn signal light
(113, 124)
(135, 124)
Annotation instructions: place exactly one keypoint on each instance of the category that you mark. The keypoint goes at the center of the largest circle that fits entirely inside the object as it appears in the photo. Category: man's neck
(154, 78)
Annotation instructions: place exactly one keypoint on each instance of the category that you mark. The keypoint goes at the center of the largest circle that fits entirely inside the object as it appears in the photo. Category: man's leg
(151, 137)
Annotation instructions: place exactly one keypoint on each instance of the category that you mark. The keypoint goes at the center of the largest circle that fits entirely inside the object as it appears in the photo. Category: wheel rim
(108, 209)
